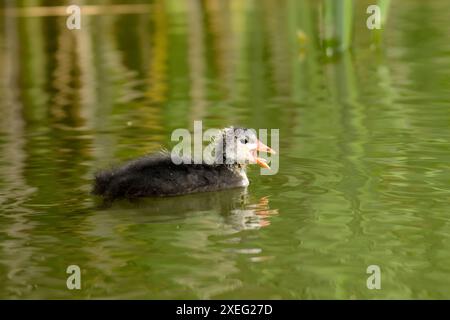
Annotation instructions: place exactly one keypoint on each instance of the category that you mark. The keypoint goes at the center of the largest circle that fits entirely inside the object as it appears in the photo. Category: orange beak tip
(263, 148)
(262, 163)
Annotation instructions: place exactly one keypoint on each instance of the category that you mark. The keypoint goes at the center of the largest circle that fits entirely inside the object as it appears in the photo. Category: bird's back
(157, 175)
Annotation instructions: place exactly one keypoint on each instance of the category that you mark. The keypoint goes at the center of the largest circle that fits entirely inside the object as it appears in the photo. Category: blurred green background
(364, 148)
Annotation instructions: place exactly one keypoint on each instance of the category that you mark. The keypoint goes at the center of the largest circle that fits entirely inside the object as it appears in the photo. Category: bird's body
(159, 175)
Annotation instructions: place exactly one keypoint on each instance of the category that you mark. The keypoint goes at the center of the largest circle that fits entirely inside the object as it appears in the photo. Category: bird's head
(240, 146)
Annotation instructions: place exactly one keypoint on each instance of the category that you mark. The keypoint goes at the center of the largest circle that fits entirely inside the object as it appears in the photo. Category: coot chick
(159, 175)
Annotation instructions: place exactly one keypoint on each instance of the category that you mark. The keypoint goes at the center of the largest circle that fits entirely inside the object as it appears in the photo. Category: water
(364, 153)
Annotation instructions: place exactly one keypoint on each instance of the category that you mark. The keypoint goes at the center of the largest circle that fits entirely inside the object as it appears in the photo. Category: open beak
(262, 148)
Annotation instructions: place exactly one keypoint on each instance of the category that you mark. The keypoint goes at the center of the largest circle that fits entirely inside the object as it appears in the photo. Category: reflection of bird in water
(234, 205)
(252, 216)
(158, 175)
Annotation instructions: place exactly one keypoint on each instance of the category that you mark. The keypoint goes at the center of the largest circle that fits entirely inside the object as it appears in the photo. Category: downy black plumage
(157, 175)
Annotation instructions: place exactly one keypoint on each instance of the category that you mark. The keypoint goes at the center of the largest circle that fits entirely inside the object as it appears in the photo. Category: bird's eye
(244, 141)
